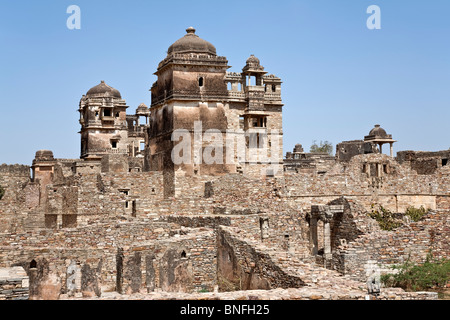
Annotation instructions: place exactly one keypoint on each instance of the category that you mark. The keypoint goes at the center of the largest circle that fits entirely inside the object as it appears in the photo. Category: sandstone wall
(21, 196)
(369, 179)
(94, 251)
(415, 241)
(13, 284)
(244, 267)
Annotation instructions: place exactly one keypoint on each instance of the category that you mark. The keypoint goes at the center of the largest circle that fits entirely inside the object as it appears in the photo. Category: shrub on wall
(432, 274)
(416, 214)
(385, 218)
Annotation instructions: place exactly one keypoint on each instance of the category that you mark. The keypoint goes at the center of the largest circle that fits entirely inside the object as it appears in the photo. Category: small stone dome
(253, 60)
(298, 148)
(378, 132)
(142, 109)
(191, 43)
(253, 65)
(102, 90)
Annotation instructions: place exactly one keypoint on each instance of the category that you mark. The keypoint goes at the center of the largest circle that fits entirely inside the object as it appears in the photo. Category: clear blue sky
(339, 77)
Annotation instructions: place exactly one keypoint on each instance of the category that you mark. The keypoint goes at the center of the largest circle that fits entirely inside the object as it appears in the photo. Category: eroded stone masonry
(125, 221)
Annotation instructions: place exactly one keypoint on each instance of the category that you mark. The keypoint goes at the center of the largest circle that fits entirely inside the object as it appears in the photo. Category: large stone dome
(191, 43)
(103, 90)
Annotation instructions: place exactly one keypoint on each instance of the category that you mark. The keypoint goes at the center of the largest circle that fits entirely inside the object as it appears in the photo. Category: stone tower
(103, 123)
(190, 89)
(225, 118)
(255, 98)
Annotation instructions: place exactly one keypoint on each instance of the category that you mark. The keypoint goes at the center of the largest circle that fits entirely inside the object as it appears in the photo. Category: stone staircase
(296, 264)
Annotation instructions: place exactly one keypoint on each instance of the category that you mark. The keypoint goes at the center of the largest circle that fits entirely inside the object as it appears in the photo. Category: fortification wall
(374, 178)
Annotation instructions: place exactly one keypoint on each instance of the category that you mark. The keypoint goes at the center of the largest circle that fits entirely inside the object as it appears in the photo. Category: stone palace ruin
(126, 220)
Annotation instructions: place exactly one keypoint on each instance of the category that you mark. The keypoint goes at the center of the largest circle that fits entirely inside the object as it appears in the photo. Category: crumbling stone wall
(424, 163)
(155, 248)
(353, 223)
(185, 263)
(244, 267)
(345, 150)
(413, 241)
(21, 195)
(390, 184)
(14, 284)
(98, 195)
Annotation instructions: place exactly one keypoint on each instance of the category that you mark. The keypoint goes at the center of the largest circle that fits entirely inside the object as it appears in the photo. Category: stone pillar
(327, 238)
(313, 234)
(264, 226)
(327, 217)
(392, 149)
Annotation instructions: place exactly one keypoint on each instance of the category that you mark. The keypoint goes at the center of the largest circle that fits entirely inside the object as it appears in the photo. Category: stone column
(327, 238)
(392, 149)
(313, 234)
(327, 216)
(264, 226)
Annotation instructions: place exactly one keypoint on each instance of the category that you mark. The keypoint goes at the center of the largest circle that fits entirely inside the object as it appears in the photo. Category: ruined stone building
(300, 161)
(126, 218)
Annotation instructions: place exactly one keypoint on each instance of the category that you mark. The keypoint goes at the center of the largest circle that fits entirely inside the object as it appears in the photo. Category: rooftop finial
(190, 30)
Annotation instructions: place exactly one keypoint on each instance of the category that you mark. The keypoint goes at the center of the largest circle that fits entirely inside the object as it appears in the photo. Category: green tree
(323, 146)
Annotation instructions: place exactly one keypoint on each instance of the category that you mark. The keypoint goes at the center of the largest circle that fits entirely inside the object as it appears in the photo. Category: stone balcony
(250, 91)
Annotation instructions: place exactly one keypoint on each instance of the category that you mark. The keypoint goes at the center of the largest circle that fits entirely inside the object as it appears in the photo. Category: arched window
(33, 264)
(200, 82)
